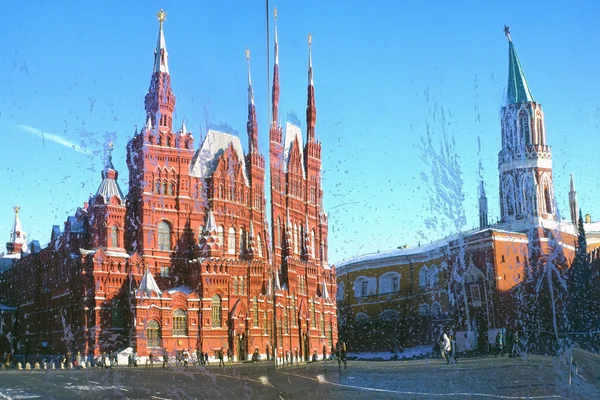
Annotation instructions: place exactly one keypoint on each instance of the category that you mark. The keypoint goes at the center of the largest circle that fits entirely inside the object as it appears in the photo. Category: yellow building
(393, 300)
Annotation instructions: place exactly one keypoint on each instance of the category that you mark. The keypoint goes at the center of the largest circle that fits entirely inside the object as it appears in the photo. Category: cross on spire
(162, 16)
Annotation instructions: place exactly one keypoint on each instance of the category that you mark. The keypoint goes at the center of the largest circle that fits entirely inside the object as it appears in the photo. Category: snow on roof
(17, 235)
(148, 284)
(291, 133)
(182, 289)
(215, 143)
(75, 224)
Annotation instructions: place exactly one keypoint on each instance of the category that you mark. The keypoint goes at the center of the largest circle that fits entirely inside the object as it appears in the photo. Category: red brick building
(185, 260)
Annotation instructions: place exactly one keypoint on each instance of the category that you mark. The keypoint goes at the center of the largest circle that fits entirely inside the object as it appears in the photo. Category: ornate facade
(510, 275)
(185, 260)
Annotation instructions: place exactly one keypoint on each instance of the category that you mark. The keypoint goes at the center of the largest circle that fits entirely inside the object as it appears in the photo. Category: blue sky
(383, 72)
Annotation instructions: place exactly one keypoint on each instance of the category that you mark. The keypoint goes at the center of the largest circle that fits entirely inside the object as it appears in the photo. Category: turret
(525, 161)
(17, 243)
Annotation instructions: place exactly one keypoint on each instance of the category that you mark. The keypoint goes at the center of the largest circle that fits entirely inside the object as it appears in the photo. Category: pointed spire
(517, 90)
(109, 186)
(277, 281)
(573, 204)
(17, 243)
(325, 292)
(251, 243)
(160, 54)
(483, 206)
(209, 242)
(252, 126)
(275, 94)
(148, 284)
(183, 129)
(311, 109)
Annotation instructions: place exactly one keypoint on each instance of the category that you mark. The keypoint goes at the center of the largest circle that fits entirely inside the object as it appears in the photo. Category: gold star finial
(309, 39)
(247, 54)
(16, 208)
(162, 16)
(507, 32)
(275, 12)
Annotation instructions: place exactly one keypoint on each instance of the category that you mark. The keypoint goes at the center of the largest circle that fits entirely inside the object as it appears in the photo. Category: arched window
(221, 191)
(510, 200)
(255, 312)
(313, 314)
(295, 239)
(168, 141)
(341, 291)
(278, 237)
(235, 285)
(171, 191)
(361, 318)
(322, 324)
(164, 236)
(423, 277)
(286, 322)
(312, 244)
(164, 188)
(117, 314)
(259, 245)
(153, 334)
(242, 285)
(389, 316)
(424, 309)
(265, 322)
(540, 129)
(293, 311)
(389, 283)
(548, 199)
(433, 276)
(436, 309)
(231, 241)
(216, 311)
(524, 124)
(114, 236)
(361, 287)
(242, 241)
(179, 323)
(157, 187)
(220, 235)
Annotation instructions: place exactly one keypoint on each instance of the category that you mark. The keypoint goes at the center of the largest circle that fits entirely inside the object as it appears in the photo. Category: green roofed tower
(525, 161)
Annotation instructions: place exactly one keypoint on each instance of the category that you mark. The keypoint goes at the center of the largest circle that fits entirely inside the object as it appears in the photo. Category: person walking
(229, 357)
(514, 349)
(499, 343)
(446, 346)
(221, 362)
(206, 358)
(165, 358)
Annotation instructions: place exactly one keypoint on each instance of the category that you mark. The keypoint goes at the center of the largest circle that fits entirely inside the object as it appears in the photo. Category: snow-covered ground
(386, 355)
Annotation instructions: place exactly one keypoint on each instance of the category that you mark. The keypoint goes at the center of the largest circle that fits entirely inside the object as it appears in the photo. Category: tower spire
(517, 90)
(252, 126)
(160, 54)
(311, 109)
(483, 206)
(160, 101)
(275, 94)
(573, 205)
(17, 243)
(109, 186)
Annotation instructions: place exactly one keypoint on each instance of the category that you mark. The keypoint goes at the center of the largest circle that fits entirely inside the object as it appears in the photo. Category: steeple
(517, 90)
(573, 206)
(275, 93)
(161, 63)
(17, 243)
(252, 126)
(160, 101)
(109, 186)
(483, 206)
(311, 109)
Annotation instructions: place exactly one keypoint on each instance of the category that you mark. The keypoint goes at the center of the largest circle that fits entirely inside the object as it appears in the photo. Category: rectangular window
(164, 272)
(395, 284)
(475, 296)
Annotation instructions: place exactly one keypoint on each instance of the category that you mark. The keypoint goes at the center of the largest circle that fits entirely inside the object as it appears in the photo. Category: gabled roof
(292, 132)
(215, 143)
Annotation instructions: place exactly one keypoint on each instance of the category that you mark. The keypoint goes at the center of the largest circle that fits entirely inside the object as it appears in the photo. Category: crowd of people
(503, 342)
